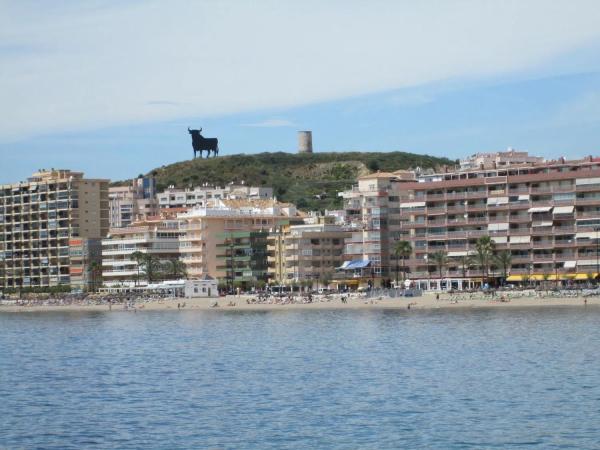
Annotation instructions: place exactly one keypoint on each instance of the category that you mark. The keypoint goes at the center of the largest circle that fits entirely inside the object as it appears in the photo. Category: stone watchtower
(305, 142)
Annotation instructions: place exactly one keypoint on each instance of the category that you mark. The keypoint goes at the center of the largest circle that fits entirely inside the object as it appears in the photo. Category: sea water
(511, 378)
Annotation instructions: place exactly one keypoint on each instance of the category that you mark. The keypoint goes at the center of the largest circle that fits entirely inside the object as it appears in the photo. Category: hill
(311, 181)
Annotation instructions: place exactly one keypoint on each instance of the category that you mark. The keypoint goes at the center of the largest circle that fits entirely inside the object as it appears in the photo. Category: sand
(425, 302)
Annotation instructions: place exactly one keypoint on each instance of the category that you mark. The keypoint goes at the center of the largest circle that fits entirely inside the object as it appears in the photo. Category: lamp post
(425, 257)
(596, 229)
(397, 266)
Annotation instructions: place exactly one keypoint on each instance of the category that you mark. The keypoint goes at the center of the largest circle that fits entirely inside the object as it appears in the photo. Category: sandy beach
(240, 303)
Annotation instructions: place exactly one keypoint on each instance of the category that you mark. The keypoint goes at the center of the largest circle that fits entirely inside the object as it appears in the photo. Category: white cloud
(84, 67)
(271, 123)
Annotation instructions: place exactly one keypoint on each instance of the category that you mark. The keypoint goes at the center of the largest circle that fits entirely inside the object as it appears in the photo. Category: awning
(500, 239)
(458, 253)
(539, 209)
(585, 276)
(412, 205)
(588, 235)
(515, 278)
(541, 224)
(580, 181)
(561, 276)
(536, 277)
(587, 262)
(497, 226)
(520, 239)
(563, 209)
(355, 264)
(570, 264)
(524, 197)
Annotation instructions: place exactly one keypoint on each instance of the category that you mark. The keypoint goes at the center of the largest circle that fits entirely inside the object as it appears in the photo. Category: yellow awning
(551, 277)
(515, 278)
(585, 276)
(560, 277)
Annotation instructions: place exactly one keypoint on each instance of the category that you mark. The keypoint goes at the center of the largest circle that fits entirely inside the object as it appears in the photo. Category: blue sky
(84, 89)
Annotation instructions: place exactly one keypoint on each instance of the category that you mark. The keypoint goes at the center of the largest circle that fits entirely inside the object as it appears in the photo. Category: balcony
(543, 244)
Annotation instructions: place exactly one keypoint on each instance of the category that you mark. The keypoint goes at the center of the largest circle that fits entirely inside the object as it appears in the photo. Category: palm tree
(402, 249)
(95, 273)
(503, 260)
(152, 267)
(18, 274)
(139, 258)
(440, 259)
(176, 268)
(466, 261)
(325, 279)
(484, 251)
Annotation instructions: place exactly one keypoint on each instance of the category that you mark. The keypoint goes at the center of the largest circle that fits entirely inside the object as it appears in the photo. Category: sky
(109, 87)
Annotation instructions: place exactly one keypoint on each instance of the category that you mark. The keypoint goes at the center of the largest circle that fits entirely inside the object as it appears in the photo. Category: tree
(485, 248)
(139, 258)
(440, 259)
(466, 261)
(176, 269)
(325, 279)
(18, 274)
(402, 249)
(503, 260)
(152, 267)
(95, 274)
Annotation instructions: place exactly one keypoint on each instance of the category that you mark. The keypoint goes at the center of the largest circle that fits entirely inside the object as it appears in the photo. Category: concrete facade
(305, 253)
(50, 227)
(158, 238)
(204, 242)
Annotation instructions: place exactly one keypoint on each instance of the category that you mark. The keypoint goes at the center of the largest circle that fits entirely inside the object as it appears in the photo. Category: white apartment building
(203, 195)
(209, 233)
(159, 238)
(136, 201)
(498, 160)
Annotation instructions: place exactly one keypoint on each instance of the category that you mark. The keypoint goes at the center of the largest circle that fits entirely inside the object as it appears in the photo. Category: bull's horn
(188, 128)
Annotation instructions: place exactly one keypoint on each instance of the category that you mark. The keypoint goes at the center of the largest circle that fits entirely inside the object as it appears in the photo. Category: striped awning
(539, 209)
(563, 209)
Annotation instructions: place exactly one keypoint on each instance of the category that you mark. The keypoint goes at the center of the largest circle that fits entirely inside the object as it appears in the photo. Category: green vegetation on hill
(311, 181)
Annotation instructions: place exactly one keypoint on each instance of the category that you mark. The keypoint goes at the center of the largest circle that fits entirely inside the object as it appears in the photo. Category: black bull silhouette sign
(201, 144)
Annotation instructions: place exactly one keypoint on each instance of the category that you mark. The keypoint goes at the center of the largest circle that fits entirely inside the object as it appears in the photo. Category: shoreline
(426, 302)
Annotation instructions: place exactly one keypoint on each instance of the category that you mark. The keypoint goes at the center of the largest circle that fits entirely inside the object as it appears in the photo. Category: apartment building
(242, 255)
(372, 214)
(50, 229)
(133, 202)
(305, 253)
(498, 160)
(159, 238)
(208, 233)
(202, 196)
(545, 214)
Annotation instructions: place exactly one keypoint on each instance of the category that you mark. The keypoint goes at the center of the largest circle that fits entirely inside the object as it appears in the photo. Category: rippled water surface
(308, 379)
